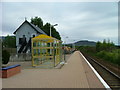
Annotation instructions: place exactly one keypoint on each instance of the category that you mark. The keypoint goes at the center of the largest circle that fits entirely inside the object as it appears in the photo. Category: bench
(11, 70)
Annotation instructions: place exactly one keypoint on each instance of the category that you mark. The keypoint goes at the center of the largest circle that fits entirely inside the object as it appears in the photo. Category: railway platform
(76, 73)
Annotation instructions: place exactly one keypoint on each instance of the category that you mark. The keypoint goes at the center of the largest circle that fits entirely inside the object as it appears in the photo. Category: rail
(112, 79)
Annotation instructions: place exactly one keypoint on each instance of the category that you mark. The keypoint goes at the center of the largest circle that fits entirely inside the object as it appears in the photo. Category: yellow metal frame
(41, 51)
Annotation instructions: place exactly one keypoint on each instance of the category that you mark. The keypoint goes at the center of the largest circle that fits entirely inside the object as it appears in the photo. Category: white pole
(50, 30)
(51, 36)
(50, 43)
(64, 52)
(64, 49)
(74, 45)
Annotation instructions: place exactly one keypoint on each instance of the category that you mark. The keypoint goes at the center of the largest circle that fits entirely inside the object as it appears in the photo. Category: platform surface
(75, 74)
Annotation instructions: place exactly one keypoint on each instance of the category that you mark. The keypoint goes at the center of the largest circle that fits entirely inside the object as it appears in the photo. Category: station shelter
(46, 51)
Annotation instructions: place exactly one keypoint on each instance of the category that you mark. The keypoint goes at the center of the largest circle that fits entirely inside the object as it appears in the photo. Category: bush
(118, 59)
(101, 54)
(110, 56)
(5, 57)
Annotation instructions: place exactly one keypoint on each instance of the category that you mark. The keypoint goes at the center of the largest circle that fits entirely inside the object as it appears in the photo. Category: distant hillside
(85, 43)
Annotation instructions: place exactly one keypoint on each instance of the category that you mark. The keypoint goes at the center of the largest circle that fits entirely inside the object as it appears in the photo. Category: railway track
(111, 78)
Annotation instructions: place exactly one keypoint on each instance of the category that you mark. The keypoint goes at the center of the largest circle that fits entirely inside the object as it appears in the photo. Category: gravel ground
(114, 68)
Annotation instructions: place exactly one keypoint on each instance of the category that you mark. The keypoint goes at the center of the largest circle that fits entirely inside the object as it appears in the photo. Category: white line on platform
(100, 78)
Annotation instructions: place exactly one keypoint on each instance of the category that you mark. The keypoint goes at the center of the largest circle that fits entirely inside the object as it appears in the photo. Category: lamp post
(51, 36)
(50, 28)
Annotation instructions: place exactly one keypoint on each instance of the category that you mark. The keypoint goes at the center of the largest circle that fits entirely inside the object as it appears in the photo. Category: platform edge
(96, 73)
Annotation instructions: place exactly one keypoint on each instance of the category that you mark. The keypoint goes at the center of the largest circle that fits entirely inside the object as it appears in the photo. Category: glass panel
(38, 44)
(34, 51)
(36, 61)
(38, 51)
(34, 44)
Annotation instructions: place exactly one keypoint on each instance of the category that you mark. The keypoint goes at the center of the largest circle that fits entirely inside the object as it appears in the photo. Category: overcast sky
(78, 21)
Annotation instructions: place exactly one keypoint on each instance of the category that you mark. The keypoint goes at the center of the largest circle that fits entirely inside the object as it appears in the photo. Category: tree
(37, 21)
(9, 41)
(5, 56)
(104, 46)
(98, 45)
(46, 28)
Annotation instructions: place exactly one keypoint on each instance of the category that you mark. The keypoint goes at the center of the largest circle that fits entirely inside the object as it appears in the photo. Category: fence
(21, 57)
(11, 50)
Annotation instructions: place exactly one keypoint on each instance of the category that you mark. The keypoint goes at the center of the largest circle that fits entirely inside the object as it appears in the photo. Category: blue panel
(9, 67)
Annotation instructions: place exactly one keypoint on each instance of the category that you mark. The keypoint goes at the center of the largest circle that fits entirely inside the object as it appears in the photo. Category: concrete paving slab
(71, 75)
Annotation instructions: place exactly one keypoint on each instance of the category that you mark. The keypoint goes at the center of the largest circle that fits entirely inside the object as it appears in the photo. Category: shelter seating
(11, 70)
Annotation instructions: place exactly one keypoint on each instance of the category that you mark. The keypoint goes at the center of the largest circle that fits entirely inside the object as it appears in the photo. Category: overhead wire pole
(64, 48)
(73, 45)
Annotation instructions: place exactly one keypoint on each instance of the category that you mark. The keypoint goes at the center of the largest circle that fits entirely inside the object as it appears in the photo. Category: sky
(93, 21)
